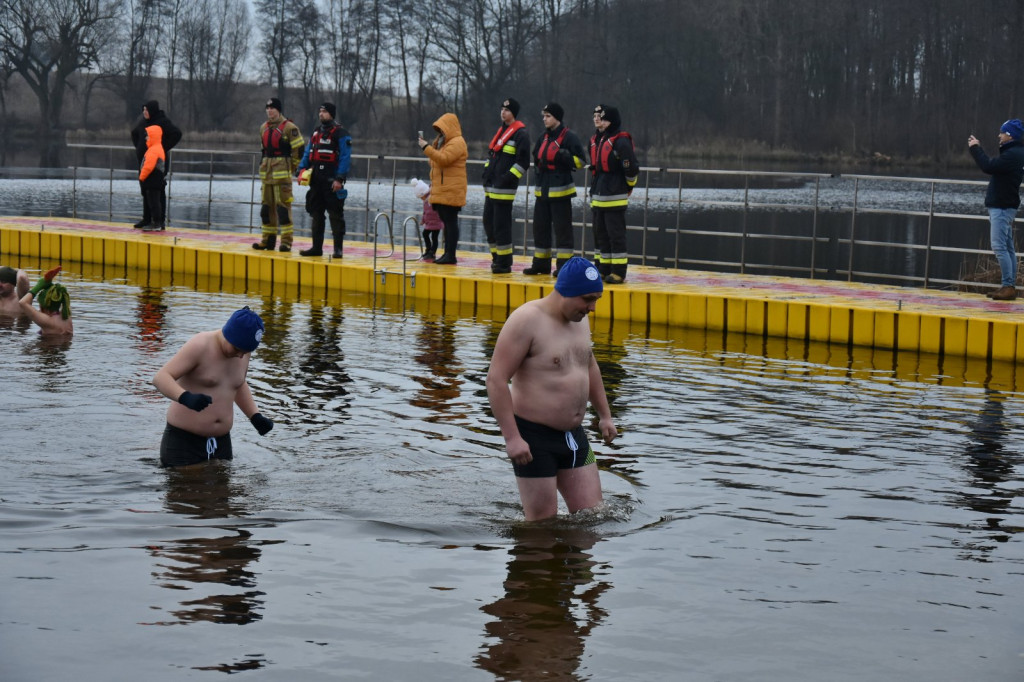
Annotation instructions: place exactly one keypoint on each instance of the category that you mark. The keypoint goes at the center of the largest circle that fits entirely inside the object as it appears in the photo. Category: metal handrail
(672, 251)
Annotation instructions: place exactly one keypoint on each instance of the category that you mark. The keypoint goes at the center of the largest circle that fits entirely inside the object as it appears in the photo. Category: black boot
(502, 264)
(338, 232)
(267, 243)
(559, 263)
(451, 243)
(316, 228)
(540, 266)
(617, 274)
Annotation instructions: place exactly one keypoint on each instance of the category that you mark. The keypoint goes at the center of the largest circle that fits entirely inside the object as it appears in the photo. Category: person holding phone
(1002, 199)
(448, 182)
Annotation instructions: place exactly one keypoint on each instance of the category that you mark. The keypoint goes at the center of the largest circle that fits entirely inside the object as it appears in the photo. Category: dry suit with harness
(328, 157)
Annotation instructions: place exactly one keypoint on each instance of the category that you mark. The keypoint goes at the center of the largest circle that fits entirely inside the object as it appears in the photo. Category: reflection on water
(150, 311)
(209, 561)
(779, 494)
(441, 371)
(990, 466)
(50, 361)
(550, 605)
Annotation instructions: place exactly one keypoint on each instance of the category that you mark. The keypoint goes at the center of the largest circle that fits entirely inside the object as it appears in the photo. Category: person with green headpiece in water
(542, 375)
(13, 285)
(206, 378)
(54, 313)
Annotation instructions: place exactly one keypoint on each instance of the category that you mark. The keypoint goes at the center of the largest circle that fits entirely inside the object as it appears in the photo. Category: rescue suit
(557, 154)
(507, 161)
(282, 145)
(615, 173)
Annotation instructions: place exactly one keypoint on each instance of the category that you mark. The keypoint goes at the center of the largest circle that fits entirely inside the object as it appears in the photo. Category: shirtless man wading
(542, 375)
(206, 379)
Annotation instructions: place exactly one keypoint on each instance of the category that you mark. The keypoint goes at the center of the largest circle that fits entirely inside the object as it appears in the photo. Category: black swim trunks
(552, 449)
(180, 447)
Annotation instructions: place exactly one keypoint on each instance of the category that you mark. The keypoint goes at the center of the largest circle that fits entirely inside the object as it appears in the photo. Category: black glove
(262, 424)
(195, 401)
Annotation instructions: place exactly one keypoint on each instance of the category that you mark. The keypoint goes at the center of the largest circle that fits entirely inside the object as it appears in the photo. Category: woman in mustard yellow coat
(448, 184)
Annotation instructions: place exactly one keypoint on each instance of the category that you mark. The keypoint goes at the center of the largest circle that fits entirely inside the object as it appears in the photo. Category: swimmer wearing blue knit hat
(206, 378)
(542, 375)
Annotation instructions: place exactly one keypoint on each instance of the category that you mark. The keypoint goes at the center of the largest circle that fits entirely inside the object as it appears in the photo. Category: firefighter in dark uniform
(282, 148)
(328, 157)
(507, 160)
(613, 163)
(557, 154)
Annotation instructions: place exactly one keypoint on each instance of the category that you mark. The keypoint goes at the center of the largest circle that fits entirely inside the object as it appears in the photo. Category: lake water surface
(775, 511)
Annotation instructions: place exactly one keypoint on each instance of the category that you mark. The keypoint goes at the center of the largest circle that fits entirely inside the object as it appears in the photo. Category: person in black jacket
(1002, 198)
(557, 154)
(152, 115)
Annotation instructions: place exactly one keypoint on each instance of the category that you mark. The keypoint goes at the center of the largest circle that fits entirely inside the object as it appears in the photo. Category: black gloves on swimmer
(262, 424)
(195, 401)
(200, 401)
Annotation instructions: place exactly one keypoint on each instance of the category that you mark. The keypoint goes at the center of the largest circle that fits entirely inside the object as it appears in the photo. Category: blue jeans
(1002, 243)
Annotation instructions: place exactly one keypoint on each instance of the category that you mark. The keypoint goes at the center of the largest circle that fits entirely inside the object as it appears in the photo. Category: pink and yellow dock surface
(885, 317)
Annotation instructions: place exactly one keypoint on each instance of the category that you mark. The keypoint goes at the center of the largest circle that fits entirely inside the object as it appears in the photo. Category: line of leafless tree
(908, 79)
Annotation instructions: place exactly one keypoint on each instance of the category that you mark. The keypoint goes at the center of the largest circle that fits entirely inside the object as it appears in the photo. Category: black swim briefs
(180, 447)
(552, 449)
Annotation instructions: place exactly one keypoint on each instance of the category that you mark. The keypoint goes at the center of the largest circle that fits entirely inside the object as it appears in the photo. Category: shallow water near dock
(774, 510)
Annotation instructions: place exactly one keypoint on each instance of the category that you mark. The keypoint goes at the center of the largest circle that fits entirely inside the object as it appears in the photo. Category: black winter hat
(555, 109)
(329, 108)
(512, 106)
(610, 114)
(276, 103)
(152, 106)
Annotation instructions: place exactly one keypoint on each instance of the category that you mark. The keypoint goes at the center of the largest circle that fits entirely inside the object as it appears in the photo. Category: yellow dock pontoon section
(885, 317)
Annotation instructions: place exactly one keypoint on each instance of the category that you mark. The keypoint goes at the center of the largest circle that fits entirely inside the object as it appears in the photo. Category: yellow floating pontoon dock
(885, 317)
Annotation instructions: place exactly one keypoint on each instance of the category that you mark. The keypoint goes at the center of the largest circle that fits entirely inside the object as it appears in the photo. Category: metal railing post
(853, 229)
(647, 200)
(814, 226)
(527, 218)
(209, 196)
(928, 242)
(74, 192)
(252, 188)
(746, 208)
(679, 218)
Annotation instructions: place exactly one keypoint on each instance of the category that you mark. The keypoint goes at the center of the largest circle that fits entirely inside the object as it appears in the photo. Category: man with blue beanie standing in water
(206, 379)
(1002, 199)
(542, 375)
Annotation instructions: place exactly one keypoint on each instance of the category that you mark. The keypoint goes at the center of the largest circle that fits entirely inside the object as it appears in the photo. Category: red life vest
(498, 143)
(600, 154)
(323, 146)
(548, 148)
(274, 143)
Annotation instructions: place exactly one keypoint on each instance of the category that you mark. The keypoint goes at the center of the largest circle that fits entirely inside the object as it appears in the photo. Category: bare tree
(214, 38)
(46, 43)
(130, 57)
(284, 39)
(488, 42)
(410, 40)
